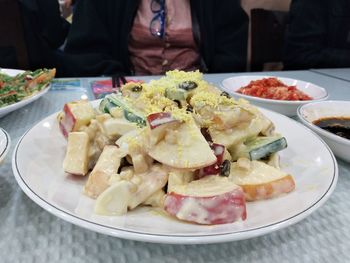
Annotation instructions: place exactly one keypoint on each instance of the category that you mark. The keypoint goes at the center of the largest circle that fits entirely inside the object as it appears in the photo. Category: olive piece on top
(178, 103)
(225, 168)
(224, 93)
(189, 108)
(188, 85)
(137, 88)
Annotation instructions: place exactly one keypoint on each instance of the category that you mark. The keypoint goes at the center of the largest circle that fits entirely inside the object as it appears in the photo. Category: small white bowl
(5, 142)
(316, 110)
(285, 107)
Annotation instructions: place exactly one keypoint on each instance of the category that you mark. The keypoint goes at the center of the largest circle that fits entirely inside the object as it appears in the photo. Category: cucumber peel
(262, 147)
(114, 100)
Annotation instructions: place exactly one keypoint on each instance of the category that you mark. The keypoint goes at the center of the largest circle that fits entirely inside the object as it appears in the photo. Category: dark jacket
(44, 31)
(98, 40)
(318, 34)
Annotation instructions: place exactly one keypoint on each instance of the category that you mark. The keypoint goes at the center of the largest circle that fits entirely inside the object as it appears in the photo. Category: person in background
(68, 3)
(152, 36)
(318, 35)
(277, 5)
(44, 31)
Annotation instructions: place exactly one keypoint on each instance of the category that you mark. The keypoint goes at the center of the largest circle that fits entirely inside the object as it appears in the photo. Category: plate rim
(272, 101)
(7, 146)
(176, 239)
(19, 104)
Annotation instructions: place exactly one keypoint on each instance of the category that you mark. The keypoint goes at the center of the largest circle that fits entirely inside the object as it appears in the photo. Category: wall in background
(278, 5)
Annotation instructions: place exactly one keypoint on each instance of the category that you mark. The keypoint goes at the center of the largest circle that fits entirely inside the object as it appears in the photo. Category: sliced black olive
(189, 108)
(224, 93)
(136, 88)
(178, 103)
(225, 168)
(188, 85)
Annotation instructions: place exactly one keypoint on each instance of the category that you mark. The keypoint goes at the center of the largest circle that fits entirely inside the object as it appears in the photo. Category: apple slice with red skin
(259, 180)
(210, 200)
(185, 148)
(218, 151)
(159, 123)
(67, 122)
(75, 115)
(159, 118)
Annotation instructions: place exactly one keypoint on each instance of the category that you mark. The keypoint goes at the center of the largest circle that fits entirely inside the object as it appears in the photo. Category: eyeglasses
(157, 25)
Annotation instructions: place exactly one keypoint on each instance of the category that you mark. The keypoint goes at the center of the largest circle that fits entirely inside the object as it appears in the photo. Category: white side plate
(37, 166)
(285, 107)
(7, 109)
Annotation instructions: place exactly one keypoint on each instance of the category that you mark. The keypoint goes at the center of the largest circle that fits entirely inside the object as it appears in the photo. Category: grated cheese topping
(208, 106)
(205, 98)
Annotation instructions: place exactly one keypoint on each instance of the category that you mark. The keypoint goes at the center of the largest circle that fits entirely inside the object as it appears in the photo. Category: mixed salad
(177, 143)
(23, 85)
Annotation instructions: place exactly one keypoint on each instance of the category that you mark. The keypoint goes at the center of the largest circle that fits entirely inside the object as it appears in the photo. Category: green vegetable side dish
(23, 85)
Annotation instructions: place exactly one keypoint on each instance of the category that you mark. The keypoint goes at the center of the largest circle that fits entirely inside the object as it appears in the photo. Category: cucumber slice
(262, 147)
(181, 92)
(133, 117)
(106, 106)
(114, 100)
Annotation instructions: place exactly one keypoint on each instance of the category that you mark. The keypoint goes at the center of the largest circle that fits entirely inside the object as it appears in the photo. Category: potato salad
(177, 143)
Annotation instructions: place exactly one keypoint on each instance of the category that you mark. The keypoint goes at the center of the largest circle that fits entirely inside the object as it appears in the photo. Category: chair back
(12, 33)
(267, 39)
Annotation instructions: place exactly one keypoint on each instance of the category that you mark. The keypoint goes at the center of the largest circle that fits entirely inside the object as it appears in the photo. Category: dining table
(339, 73)
(28, 233)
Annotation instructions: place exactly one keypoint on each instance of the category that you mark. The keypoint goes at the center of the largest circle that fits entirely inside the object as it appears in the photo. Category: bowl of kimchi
(283, 95)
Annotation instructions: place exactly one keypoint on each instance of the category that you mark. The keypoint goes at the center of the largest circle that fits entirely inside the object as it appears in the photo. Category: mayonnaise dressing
(206, 187)
(115, 200)
(258, 173)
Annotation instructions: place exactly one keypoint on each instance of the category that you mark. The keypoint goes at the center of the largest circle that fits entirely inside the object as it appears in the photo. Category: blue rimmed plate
(285, 107)
(5, 143)
(37, 166)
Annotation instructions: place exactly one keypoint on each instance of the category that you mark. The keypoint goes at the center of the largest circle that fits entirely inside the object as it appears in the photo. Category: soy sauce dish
(330, 120)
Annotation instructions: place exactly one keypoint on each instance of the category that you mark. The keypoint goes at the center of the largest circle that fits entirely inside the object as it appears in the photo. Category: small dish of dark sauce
(337, 125)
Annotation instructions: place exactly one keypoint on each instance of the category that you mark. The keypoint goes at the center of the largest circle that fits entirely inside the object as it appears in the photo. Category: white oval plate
(7, 109)
(288, 108)
(5, 143)
(37, 166)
